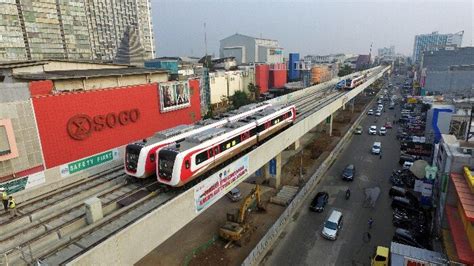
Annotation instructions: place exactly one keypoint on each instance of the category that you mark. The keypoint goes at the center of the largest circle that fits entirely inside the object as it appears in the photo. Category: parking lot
(302, 243)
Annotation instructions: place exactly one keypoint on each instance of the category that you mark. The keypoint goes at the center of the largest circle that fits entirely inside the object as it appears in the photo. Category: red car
(388, 125)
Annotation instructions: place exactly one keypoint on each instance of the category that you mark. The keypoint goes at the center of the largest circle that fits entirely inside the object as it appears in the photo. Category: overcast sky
(307, 27)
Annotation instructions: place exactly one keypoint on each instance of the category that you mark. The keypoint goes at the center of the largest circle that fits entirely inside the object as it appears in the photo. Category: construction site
(298, 166)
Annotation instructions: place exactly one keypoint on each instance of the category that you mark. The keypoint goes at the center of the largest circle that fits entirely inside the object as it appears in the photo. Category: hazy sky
(307, 27)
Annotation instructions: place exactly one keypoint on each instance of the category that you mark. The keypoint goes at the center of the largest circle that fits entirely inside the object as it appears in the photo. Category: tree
(239, 99)
(345, 70)
(254, 91)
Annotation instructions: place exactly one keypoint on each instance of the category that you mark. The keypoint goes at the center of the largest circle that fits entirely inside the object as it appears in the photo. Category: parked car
(397, 191)
(405, 158)
(404, 236)
(378, 113)
(403, 203)
(349, 172)
(407, 165)
(373, 130)
(234, 194)
(370, 112)
(319, 201)
(332, 226)
(388, 125)
(376, 148)
(382, 131)
(358, 130)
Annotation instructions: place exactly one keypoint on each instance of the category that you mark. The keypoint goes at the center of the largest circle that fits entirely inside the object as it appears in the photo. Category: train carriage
(140, 157)
(201, 153)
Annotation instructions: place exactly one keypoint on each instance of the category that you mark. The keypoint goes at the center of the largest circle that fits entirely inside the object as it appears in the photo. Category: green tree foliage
(239, 99)
(254, 91)
(345, 70)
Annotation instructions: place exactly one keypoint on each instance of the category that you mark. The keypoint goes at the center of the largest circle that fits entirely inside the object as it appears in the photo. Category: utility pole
(205, 40)
(469, 133)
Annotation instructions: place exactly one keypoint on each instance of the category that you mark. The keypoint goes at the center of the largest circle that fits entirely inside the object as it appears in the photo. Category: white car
(373, 130)
(370, 112)
(377, 148)
(378, 113)
(332, 226)
(382, 131)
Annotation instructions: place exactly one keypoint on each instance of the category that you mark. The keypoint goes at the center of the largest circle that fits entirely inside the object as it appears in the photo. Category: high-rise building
(435, 41)
(72, 29)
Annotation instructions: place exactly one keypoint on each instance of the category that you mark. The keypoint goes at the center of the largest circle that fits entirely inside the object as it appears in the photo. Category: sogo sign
(81, 126)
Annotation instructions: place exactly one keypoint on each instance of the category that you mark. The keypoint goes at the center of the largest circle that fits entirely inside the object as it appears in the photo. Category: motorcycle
(348, 194)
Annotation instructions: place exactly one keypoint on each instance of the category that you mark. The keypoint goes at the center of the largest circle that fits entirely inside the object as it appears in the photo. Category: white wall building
(224, 84)
(248, 49)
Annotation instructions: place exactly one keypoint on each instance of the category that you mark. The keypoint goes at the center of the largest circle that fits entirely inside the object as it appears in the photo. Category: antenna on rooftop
(205, 40)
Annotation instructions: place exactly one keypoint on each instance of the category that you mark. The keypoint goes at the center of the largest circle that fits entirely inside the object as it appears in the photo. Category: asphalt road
(302, 243)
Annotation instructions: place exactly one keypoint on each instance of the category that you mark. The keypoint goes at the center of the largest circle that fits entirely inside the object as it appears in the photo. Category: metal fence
(257, 254)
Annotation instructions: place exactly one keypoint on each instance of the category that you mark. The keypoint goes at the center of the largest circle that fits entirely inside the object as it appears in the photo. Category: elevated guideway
(132, 243)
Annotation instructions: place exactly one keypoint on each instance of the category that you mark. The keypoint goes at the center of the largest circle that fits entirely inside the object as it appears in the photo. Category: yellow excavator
(238, 227)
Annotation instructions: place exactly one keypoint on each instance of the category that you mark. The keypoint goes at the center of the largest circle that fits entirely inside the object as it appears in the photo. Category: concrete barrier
(150, 231)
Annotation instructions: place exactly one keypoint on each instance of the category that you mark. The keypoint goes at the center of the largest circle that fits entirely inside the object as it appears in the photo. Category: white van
(332, 225)
(376, 148)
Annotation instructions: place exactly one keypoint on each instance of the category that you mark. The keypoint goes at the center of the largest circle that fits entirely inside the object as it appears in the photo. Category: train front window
(166, 160)
(132, 152)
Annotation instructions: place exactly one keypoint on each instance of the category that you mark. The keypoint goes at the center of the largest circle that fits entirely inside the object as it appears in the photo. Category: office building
(435, 41)
(246, 49)
(448, 71)
(67, 29)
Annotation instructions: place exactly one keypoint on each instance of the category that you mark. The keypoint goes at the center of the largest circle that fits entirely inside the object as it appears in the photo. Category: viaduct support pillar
(294, 146)
(273, 171)
(329, 123)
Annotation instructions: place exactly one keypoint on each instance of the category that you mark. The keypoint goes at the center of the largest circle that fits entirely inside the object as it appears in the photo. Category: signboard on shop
(208, 191)
(89, 162)
(81, 126)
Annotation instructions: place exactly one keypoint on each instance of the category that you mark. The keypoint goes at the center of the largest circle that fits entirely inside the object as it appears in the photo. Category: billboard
(208, 191)
(276, 52)
(174, 95)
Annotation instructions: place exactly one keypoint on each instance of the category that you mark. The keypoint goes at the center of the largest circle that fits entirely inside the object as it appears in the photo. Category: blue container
(293, 72)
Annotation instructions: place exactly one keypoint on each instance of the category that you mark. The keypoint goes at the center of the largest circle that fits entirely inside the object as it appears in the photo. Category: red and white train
(140, 157)
(186, 160)
(356, 81)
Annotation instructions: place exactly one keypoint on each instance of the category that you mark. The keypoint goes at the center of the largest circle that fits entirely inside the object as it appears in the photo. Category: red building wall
(278, 75)
(261, 77)
(112, 123)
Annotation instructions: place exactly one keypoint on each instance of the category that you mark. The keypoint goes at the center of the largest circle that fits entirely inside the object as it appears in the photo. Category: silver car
(332, 226)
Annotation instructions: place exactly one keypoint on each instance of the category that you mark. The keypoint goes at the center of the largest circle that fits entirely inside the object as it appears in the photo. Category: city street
(302, 243)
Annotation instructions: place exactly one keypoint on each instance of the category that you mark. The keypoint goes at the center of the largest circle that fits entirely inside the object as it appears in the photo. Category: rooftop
(91, 73)
(25, 63)
(251, 37)
(417, 253)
